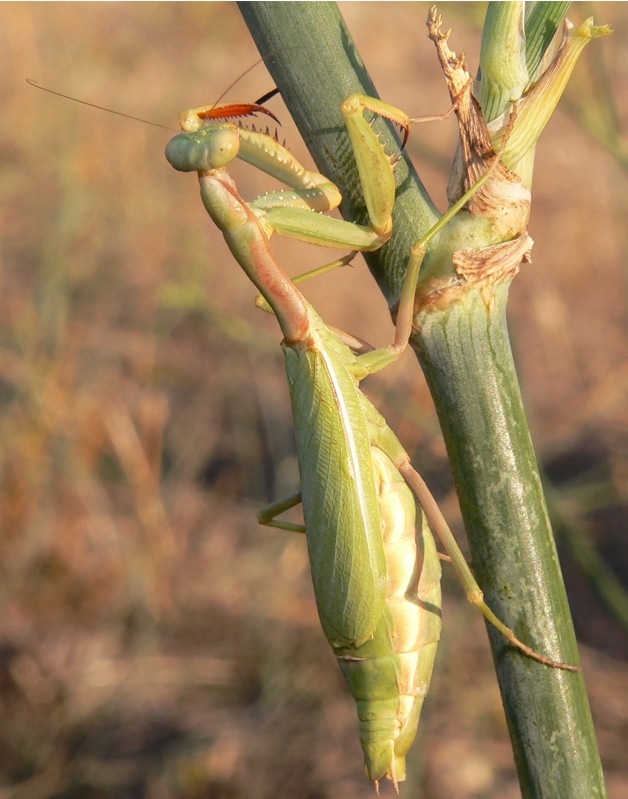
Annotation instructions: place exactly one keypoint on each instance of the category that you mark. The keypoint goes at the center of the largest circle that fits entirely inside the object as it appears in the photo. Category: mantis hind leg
(389, 443)
(472, 589)
(268, 515)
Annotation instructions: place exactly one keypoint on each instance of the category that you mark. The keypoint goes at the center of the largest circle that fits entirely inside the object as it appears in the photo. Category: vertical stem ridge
(466, 357)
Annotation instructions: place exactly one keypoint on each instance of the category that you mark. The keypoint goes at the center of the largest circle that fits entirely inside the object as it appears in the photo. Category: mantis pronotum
(376, 579)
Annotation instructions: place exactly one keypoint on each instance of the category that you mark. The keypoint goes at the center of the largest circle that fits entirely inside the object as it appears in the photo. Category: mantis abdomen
(389, 676)
(376, 579)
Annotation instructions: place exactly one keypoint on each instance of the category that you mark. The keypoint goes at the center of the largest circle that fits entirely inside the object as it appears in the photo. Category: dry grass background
(154, 641)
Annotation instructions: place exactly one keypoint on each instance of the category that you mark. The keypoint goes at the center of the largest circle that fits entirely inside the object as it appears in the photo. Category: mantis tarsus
(376, 580)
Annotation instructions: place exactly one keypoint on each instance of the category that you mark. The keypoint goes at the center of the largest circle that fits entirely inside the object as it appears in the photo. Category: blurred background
(154, 641)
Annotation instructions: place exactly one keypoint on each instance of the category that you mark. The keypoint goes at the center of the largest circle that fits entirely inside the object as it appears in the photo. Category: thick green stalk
(465, 353)
(464, 350)
(504, 73)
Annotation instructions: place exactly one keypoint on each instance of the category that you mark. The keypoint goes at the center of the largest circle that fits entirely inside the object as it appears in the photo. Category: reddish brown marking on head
(234, 110)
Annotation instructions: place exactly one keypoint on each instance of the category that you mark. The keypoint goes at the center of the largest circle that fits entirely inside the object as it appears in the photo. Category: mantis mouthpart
(376, 577)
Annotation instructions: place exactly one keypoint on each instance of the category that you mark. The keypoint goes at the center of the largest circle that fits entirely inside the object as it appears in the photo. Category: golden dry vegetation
(154, 641)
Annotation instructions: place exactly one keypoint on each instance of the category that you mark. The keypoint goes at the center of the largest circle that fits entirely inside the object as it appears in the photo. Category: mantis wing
(340, 507)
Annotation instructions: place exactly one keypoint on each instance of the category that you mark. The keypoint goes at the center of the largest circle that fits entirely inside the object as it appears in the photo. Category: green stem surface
(465, 353)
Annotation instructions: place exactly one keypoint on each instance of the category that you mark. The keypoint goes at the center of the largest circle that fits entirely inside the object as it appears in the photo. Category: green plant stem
(465, 353)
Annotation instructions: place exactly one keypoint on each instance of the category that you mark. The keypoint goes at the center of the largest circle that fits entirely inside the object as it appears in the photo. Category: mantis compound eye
(204, 150)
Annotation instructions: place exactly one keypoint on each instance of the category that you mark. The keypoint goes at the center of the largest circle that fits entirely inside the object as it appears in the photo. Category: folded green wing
(340, 506)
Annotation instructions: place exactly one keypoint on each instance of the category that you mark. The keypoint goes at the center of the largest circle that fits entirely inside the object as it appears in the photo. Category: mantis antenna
(260, 101)
(93, 105)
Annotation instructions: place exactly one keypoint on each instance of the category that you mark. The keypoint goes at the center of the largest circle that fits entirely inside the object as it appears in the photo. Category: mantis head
(204, 150)
(206, 145)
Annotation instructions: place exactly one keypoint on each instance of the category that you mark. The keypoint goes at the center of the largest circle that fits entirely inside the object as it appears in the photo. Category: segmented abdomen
(389, 675)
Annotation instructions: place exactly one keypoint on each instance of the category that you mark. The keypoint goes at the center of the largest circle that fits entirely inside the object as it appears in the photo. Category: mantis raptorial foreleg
(376, 578)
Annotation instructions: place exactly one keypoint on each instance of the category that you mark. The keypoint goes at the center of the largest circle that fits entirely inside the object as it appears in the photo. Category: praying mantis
(376, 578)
